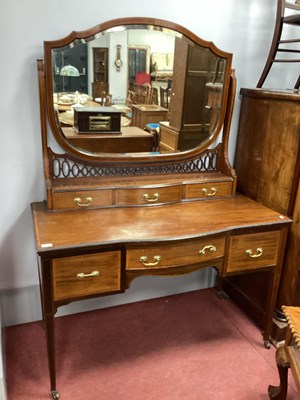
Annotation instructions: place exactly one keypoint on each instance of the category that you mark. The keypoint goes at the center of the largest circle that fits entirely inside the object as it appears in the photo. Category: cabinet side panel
(267, 150)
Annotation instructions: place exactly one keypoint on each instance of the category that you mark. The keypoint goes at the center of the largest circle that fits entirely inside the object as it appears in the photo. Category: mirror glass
(136, 89)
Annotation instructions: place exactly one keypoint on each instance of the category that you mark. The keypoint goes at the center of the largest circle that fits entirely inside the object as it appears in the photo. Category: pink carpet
(183, 347)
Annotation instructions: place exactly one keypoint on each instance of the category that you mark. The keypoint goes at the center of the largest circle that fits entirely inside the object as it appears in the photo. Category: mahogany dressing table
(110, 218)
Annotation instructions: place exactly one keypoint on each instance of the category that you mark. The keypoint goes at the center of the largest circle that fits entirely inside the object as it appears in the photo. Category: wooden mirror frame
(46, 96)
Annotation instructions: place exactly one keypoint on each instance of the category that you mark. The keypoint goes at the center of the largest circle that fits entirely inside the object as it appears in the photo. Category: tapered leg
(50, 340)
(49, 310)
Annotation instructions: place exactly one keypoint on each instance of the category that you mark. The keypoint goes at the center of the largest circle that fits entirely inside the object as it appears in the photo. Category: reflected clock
(118, 62)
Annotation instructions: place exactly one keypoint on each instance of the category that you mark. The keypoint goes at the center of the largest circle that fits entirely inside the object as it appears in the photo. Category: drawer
(86, 275)
(252, 251)
(208, 190)
(152, 195)
(175, 254)
(82, 199)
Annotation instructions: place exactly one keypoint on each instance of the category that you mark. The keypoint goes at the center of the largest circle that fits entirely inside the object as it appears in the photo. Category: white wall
(244, 28)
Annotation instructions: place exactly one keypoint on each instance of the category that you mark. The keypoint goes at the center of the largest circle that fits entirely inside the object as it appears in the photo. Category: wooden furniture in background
(143, 114)
(288, 355)
(190, 115)
(131, 140)
(100, 63)
(267, 164)
(164, 96)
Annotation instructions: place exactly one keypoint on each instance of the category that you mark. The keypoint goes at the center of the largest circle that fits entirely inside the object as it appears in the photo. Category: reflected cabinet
(100, 86)
(109, 218)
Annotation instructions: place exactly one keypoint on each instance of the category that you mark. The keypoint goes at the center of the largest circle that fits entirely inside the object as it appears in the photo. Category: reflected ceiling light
(116, 29)
(69, 70)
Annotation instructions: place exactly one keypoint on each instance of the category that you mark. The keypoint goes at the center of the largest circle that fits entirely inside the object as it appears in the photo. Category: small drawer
(175, 255)
(82, 199)
(208, 190)
(86, 275)
(253, 251)
(152, 195)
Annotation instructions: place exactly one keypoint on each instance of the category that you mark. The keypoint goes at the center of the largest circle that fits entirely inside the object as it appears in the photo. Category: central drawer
(175, 254)
(149, 195)
(86, 275)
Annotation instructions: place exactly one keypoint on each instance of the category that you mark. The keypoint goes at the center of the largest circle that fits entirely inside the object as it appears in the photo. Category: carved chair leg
(280, 392)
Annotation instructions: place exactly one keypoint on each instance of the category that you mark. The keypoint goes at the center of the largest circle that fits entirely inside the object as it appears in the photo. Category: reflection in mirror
(165, 89)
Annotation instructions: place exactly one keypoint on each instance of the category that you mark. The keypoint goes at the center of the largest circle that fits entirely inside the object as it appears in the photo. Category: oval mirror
(135, 88)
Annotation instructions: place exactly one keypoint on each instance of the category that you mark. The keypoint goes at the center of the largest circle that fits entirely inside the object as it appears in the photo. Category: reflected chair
(164, 97)
(154, 129)
(278, 45)
(142, 78)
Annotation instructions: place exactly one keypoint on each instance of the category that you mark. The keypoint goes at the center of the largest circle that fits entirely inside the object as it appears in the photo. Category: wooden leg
(50, 340)
(49, 310)
(219, 286)
(280, 392)
(272, 295)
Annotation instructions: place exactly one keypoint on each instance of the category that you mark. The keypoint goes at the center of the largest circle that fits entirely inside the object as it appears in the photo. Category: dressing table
(109, 218)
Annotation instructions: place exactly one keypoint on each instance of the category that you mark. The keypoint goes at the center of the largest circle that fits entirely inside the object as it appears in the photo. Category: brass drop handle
(209, 247)
(91, 275)
(250, 253)
(212, 192)
(78, 201)
(144, 260)
(151, 199)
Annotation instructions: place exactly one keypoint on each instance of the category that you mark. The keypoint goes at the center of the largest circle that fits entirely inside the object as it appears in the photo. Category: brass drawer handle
(209, 247)
(92, 274)
(151, 199)
(144, 260)
(212, 192)
(88, 201)
(250, 253)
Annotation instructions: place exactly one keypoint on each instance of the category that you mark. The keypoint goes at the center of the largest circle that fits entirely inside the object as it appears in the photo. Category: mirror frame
(135, 158)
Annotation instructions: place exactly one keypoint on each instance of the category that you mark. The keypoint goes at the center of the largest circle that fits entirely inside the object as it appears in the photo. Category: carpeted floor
(183, 347)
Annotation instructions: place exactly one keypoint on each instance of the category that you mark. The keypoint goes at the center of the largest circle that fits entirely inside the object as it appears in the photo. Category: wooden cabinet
(192, 90)
(143, 114)
(267, 164)
(100, 63)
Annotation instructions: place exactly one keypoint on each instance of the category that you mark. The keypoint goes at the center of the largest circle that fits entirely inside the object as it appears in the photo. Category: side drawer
(86, 275)
(82, 199)
(148, 195)
(253, 251)
(175, 255)
(208, 190)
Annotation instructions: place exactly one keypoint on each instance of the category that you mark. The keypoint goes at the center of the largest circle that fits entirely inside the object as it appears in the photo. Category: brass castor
(222, 295)
(55, 395)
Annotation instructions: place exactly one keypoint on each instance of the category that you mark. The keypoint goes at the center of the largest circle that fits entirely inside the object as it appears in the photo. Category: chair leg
(297, 84)
(275, 43)
(280, 392)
